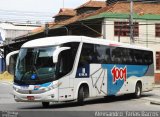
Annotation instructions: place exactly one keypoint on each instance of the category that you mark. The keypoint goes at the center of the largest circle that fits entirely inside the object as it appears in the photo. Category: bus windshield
(35, 66)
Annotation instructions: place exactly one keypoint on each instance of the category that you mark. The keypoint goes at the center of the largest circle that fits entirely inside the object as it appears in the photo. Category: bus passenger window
(66, 59)
(108, 55)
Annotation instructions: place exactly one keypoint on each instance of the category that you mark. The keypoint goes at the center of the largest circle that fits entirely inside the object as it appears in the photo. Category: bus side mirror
(11, 60)
(57, 52)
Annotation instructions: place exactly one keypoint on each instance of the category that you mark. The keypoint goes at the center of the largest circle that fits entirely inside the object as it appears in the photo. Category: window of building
(157, 60)
(123, 29)
(157, 30)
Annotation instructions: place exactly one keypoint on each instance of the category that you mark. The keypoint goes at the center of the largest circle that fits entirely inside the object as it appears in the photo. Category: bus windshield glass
(35, 66)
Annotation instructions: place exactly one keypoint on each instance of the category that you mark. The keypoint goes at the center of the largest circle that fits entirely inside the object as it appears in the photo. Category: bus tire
(45, 104)
(138, 90)
(81, 94)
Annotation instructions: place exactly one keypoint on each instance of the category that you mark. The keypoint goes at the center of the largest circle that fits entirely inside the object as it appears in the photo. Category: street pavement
(119, 103)
(155, 98)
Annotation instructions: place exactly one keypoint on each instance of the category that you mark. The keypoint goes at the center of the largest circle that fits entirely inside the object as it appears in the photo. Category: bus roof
(51, 41)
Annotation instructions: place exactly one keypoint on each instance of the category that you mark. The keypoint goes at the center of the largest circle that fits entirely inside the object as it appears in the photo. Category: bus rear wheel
(45, 104)
(138, 90)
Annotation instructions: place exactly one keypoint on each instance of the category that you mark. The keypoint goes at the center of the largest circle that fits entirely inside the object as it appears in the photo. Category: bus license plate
(31, 98)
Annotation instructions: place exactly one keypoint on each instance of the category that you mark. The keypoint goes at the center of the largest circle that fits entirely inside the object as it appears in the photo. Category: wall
(146, 37)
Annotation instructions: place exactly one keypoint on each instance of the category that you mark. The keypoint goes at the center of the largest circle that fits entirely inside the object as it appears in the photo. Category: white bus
(68, 68)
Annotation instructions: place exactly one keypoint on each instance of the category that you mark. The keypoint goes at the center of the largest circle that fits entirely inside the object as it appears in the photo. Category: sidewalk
(157, 86)
(6, 77)
(156, 98)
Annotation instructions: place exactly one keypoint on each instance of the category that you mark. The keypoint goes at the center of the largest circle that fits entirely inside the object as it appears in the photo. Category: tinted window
(101, 54)
(131, 56)
(92, 53)
(66, 59)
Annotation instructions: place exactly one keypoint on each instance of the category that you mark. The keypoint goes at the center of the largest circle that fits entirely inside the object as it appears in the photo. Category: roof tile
(92, 3)
(119, 7)
(66, 12)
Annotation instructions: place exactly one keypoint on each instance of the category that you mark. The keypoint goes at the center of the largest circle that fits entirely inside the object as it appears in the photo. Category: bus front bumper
(49, 96)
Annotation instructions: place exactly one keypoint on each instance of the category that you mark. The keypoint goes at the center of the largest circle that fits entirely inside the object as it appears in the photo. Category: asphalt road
(119, 103)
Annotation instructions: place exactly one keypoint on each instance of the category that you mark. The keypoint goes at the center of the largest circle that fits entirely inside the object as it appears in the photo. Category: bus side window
(139, 56)
(66, 59)
(126, 57)
(133, 56)
(112, 55)
(116, 55)
(123, 56)
(83, 61)
(119, 55)
(102, 56)
(108, 55)
(150, 58)
(63, 64)
(86, 55)
(147, 57)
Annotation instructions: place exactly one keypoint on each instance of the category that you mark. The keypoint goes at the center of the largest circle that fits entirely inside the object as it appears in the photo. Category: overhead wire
(24, 16)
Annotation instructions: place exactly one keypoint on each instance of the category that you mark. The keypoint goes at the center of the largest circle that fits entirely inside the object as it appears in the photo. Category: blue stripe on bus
(36, 87)
(132, 70)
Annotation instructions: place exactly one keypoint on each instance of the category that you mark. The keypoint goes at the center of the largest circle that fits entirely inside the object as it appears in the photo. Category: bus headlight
(15, 88)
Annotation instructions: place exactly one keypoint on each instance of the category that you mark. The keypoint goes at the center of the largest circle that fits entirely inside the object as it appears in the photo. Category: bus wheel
(45, 104)
(81, 94)
(138, 90)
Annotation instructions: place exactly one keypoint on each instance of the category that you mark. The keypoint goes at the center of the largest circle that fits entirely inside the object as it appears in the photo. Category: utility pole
(131, 22)
(46, 29)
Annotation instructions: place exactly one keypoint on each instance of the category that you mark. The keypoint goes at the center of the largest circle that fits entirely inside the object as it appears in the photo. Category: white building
(9, 31)
(115, 26)
(112, 22)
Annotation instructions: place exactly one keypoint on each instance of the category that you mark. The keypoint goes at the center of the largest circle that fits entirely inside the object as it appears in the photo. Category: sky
(34, 10)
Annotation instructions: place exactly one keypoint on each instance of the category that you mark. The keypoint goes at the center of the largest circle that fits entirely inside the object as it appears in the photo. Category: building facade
(110, 20)
(146, 33)
(9, 31)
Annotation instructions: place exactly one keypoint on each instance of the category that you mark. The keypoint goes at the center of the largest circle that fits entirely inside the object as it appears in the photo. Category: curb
(7, 81)
(155, 102)
(156, 86)
(152, 100)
